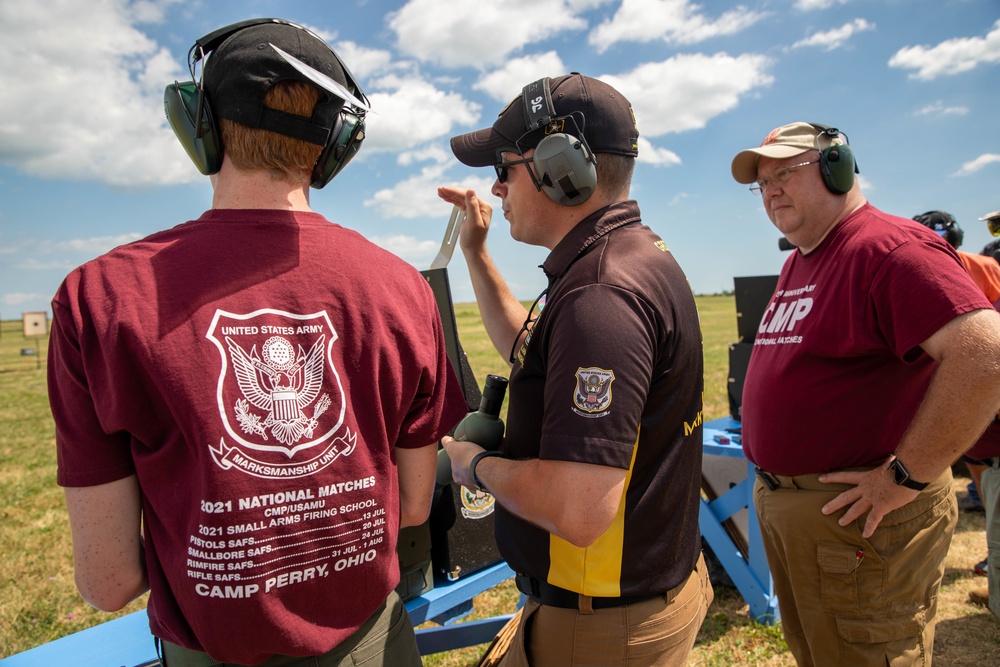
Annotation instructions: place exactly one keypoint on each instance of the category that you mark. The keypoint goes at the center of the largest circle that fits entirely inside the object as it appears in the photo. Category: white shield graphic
(278, 389)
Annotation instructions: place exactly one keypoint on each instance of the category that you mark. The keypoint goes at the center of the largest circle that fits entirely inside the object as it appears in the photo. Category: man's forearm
(962, 399)
(502, 313)
(573, 501)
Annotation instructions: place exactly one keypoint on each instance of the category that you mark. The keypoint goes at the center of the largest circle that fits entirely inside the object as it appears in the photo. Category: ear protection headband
(189, 113)
(564, 166)
(837, 165)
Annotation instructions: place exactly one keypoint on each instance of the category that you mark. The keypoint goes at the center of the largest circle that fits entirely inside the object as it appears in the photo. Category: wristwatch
(901, 476)
(472, 467)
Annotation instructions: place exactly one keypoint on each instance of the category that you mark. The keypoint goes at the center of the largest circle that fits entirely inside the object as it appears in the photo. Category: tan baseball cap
(784, 142)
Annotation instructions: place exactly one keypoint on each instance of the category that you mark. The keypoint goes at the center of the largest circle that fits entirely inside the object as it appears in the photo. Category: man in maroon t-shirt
(875, 366)
(247, 405)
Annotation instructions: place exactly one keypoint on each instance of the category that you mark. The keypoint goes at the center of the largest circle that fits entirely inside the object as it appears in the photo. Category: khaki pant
(386, 638)
(658, 631)
(847, 600)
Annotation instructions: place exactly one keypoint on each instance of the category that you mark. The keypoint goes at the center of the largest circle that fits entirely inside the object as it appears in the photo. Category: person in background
(876, 365)
(598, 482)
(987, 454)
(236, 396)
(986, 274)
(992, 249)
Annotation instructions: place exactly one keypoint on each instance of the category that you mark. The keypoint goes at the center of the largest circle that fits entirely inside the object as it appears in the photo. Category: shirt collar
(586, 233)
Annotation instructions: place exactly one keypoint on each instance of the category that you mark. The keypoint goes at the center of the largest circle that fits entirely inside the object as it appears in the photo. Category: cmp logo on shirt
(592, 395)
(787, 309)
(279, 396)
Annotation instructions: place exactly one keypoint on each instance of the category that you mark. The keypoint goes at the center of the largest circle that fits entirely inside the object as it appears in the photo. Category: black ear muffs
(190, 115)
(565, 169)
(837, 165)
(346, 137)
(195, 128)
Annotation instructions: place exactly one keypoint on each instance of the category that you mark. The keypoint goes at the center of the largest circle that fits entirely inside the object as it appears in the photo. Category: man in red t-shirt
(247, 405)
(857, 399)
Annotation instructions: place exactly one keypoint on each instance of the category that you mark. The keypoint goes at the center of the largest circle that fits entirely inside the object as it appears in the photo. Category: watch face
(899, 473)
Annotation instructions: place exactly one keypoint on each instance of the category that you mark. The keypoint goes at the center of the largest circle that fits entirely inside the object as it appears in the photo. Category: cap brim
(479, 148)
(745, 163)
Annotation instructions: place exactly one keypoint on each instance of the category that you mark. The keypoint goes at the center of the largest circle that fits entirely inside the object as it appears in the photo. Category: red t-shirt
(255, 369)
(837, 373)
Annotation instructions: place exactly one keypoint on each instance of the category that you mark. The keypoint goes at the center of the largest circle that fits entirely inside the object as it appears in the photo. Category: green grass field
(39, 603)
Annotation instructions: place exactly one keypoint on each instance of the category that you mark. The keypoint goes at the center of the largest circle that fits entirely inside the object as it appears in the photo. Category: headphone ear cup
(565, 169)
(202, 144)
(837, 167)
(347, 134)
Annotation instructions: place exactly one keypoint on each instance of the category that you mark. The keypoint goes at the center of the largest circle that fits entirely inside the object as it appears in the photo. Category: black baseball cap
(607, 124)
(240, 70)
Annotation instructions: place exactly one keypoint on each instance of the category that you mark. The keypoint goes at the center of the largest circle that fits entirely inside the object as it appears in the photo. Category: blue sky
(88, 162)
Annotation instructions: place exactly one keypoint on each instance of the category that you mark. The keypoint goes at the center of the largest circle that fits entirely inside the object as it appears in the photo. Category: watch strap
(901, 476)
(475, 461)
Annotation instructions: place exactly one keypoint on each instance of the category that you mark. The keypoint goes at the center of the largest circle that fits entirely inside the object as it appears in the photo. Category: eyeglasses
(779, 176)
(529, 323)
(993, 224)
(502, 168)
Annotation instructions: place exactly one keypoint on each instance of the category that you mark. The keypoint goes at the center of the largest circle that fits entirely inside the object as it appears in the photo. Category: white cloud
(835, 38)
(938, 108)
(952, 56)
(17, 298)
(466, 33)
(97, 245)
(411, 111)
(658, 157)
(979, 163)
(673, 21)
(811, 5)
(416, 196)
(409, 248)
(364, 62)
(506, 83)
(94, 88)
(686, 91)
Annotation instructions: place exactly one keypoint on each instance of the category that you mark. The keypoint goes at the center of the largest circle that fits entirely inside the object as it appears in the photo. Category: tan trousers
(659, 631)
(847, 600)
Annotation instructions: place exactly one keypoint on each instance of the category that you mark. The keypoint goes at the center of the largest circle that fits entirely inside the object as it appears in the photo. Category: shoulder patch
(592, 392)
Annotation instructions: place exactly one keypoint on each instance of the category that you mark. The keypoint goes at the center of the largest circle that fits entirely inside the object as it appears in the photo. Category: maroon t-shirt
(837, 373)
(255, 369)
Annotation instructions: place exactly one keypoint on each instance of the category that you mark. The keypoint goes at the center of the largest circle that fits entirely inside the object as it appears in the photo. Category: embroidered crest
(593, 390)
(278, 393)
(476, 504)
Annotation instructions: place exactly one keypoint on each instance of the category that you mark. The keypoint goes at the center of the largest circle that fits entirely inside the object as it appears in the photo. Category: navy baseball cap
(608, 123)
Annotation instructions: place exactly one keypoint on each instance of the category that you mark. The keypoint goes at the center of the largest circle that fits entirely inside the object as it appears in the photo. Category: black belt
(554, 596)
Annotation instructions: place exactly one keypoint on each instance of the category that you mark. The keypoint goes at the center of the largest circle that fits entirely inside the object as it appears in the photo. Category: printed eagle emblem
(593, 389)
(282, 383)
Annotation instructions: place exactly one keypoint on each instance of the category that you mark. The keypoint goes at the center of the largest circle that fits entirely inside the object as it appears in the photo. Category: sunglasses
(502, 167)
(529, 322)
